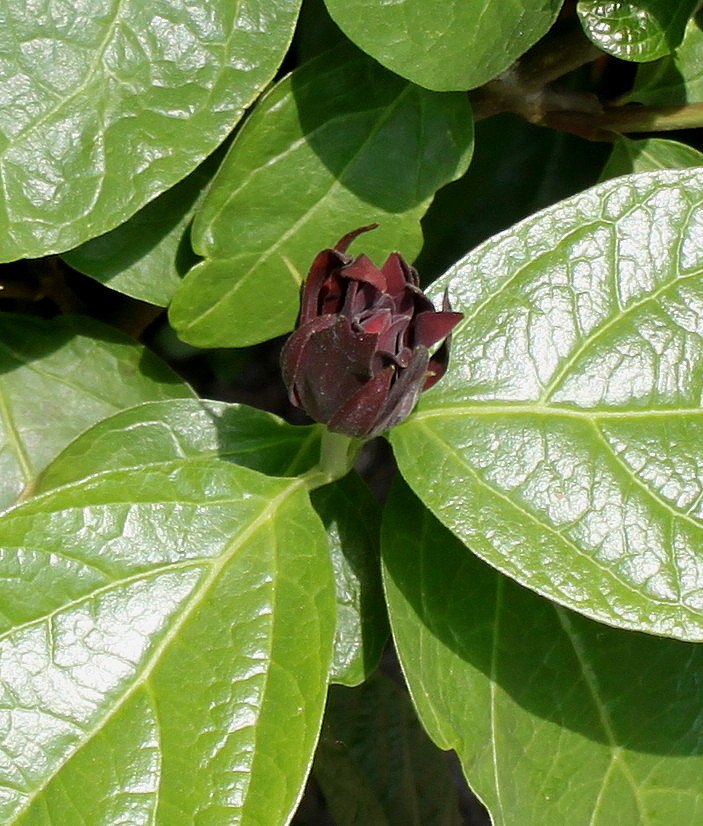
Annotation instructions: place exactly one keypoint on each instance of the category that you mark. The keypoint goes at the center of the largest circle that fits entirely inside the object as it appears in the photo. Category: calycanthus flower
(360, 355)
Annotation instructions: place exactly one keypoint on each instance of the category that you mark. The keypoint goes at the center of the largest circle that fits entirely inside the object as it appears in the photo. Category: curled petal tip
(345, 240)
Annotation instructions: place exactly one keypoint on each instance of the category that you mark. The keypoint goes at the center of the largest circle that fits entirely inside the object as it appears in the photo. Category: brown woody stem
(527, 89)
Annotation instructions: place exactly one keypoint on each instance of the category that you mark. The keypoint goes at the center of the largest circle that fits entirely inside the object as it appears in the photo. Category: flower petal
(334, 363)
(324, 264)
(358, 416)
(345, 240)
(293, 349)
(432, 327)
(363, 269)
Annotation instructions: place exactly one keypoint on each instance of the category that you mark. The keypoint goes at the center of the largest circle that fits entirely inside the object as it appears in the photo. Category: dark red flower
(360, 357)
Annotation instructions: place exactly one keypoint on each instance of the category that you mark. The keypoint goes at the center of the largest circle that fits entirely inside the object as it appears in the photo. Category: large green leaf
(191, 430)
(639, 30)
(557, 720)
(445, 44)
(648, 154)
(566, 439)
(168, 633)
(147, 256)
(107, 104)
(676, 78)
(59, 377)
(338, 144)
(375, 764)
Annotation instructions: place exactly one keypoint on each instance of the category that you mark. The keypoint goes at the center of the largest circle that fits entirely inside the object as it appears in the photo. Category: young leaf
(161, 626)
(59, 377)
(640, 30)
(555, 718)
(375, 764)
(445, 44)
(338, 144)
(676, 78)
(194, 431)
(648, 154)
(107, 105)
(566, 438)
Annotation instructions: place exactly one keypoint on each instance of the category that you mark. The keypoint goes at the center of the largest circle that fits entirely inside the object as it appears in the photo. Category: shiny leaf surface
(59, 377)
(107, 104)
(639, 30)
(556, 718)
(319, 156)
(187, 609)
(194, 431)
(566, 437)
(445, 44)
(147, 256)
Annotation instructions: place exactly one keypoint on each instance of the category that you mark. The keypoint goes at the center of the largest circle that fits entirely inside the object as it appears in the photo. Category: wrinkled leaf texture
(639, 30)
(556, 719)
(59, 377)
(193, 430)
(567, 435)
(107, 104)
(160, 625)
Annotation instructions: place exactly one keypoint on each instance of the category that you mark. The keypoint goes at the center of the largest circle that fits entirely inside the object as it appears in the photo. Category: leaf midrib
(336, 182)
(616, 751)
(179, 620)
(448, 450)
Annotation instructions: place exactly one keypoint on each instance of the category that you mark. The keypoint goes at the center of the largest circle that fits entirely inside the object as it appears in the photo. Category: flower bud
(360, 356)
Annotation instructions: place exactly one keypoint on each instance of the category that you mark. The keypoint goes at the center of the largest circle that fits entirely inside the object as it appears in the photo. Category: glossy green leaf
(320, 155)
(555, 718)
(352, 518)
(565, 440)
(59, 377)
(375, 764)
(649, 154)
(445, 44)
(147, 256)
(193, 430)
(676, 78)
(156, 628)
(107, 104)
(639, 30)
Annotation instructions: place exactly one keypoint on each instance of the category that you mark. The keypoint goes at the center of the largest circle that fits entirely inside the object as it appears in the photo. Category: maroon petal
(437, 365)
(404, 393)
(432, 327)
(292, 352)
(358, 416)
(345, 240)
(324, 264)
(395, 273)
(334, 363)
(363, 269)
